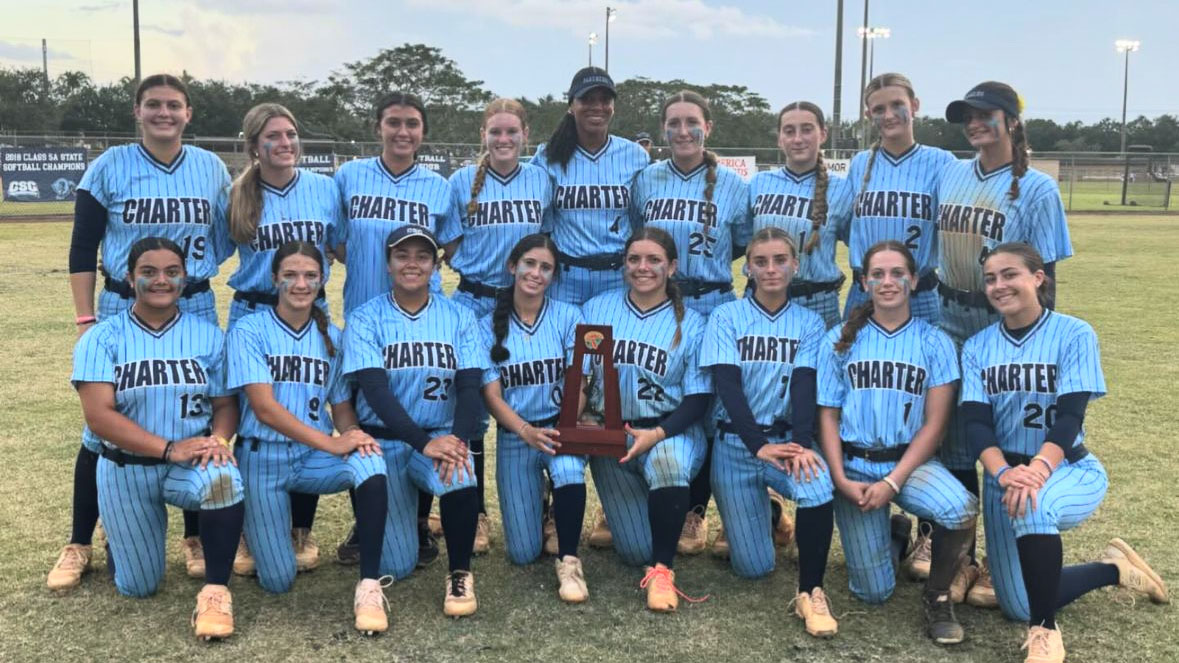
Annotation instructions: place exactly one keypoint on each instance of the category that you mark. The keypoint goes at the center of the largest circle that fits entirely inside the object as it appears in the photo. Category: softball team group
(948, 352)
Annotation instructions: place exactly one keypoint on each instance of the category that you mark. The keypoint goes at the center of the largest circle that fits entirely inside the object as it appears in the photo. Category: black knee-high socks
(220, 531)
(666, 509)
(813, 531)
(969, 481)
(425, 503)
(85, 515)
(1051, 586)
(460, 514)
(568, 511)
(948, 547)
(303, 506)
(192, 523)
(371, 505)
(480, 462)
(701, 486)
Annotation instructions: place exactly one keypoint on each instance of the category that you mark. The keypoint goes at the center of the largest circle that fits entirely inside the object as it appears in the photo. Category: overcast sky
(1058, 53)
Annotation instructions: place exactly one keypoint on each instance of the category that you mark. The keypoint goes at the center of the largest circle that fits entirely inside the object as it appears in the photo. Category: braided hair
(672, 289)
(504, 297)
(710, 160)
(309, 250)
(819, 197)
(859, 315)
(501, 105)
(1019, 141)
(878, 83)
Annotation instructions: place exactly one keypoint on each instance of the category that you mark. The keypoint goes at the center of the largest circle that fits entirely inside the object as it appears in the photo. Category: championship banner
(745, 166)
(837, 166)
(41, 174)
(324, 164)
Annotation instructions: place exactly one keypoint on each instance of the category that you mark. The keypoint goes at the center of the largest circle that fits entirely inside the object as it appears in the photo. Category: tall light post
(1126, 46)
(872, 34)
(611, 15)
(593, 39)
(837, 102)
(863, 70)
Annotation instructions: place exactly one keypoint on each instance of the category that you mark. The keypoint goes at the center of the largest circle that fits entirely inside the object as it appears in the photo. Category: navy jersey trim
(296, 334)
(640, 313)
(1018, 342)
(594, 156)
(168, 168)
(772, 315)
(798, 178)
(280, 191)
(685, 176)
(396, 177)
(155, 333)
(504, 179)
(531, 329)
(891, 334)
(414, 315)
(984, 175)
(899, 158)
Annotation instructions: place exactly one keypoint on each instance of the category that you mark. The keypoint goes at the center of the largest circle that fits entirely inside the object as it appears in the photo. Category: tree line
(340, 107)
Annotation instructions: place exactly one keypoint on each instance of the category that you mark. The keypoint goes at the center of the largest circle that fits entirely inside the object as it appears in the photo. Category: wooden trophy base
(582, 440)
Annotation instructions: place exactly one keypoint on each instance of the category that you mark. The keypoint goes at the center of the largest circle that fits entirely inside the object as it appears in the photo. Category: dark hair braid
(677, 304)
(710, 164)
(321, 323)
(875, 149)
(1019, 157)
(563, 142)
(855, 322)
(818, 203)
(477, 185)
(499, 324)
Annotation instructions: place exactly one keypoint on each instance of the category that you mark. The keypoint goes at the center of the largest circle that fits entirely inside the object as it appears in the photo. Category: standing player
(763, 351)
(703, 206)
(1027, 381)
(386, 192)
(895, 185)
(528, 340)
(886, 387)
(664, 394)
(591, 172)
(415, 348)
(811, 205)
(287, 363)
(152, 384)
(983, 202)
(159, 187)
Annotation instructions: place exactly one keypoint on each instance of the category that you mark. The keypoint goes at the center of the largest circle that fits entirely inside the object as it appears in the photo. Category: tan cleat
(460, 594)
(720, 545)
(917, 563)
(694, 535)
(194, 557)
(548, 528)
(815, 610)
(1044, 645)
(572, 579)
(964, 580)
(661, 592)
(982, 593)
(482, 535)
(71, 565)
(784, 528)
(306, 549)
(370, 605)
(213, 616)
(1133, 571)
(600, 536)
(243, 561)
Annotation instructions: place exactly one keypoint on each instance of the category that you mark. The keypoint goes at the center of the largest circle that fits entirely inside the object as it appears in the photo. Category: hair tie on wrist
(1046, 462)
(84, 319)
(1001, 471)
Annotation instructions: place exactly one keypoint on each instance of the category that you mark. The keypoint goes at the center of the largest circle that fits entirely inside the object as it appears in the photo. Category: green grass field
(1113, 283)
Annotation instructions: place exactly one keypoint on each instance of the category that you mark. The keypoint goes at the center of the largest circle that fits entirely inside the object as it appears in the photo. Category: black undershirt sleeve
(1050, 270)
(726, 379)
(374, 384)
(468, 408)
(1070, 415)
(803, 397)
(689, 411)
(979, 419)
(89, 227)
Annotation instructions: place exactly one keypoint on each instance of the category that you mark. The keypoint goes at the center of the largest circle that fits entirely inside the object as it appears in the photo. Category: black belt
(927, 282)
(382, 433)
(124, 289)
(477, 289)
(599, 262)
(121, 458)
(256, 298)
(964, 297)
(698, 288)
(252, 443)
(811, 288)
(544, 423)
(885, 455)
(650, 422)
(1072, 455)
(778, 429)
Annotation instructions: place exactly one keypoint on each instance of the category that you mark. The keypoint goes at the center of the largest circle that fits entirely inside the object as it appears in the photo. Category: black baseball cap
(642, 136)
(589, 78)
(408, 232)
(985, 96)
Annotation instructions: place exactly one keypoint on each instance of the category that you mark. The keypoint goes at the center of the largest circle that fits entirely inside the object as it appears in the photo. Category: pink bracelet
(84, 319)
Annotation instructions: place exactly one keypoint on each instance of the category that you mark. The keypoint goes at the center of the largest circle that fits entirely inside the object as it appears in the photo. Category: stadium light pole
(863, 70)
(611, 15)
(593, 39)
(836, 102)
(1126, 46)
(872, 34)
(135, 22)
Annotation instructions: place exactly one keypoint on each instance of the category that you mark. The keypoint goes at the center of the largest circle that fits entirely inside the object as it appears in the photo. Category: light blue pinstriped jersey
(419, 351)
(376, 202)
(307, 209)
(264, 349)
(975, 215)
(767, 347)
(653, 377)
(184, 201)
(532, 378)
(509, 207)
(591, 196)
(665, 197)
(899, 202)
(881, 381)
(164, 379)
(1021, 379)
(782, 198)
